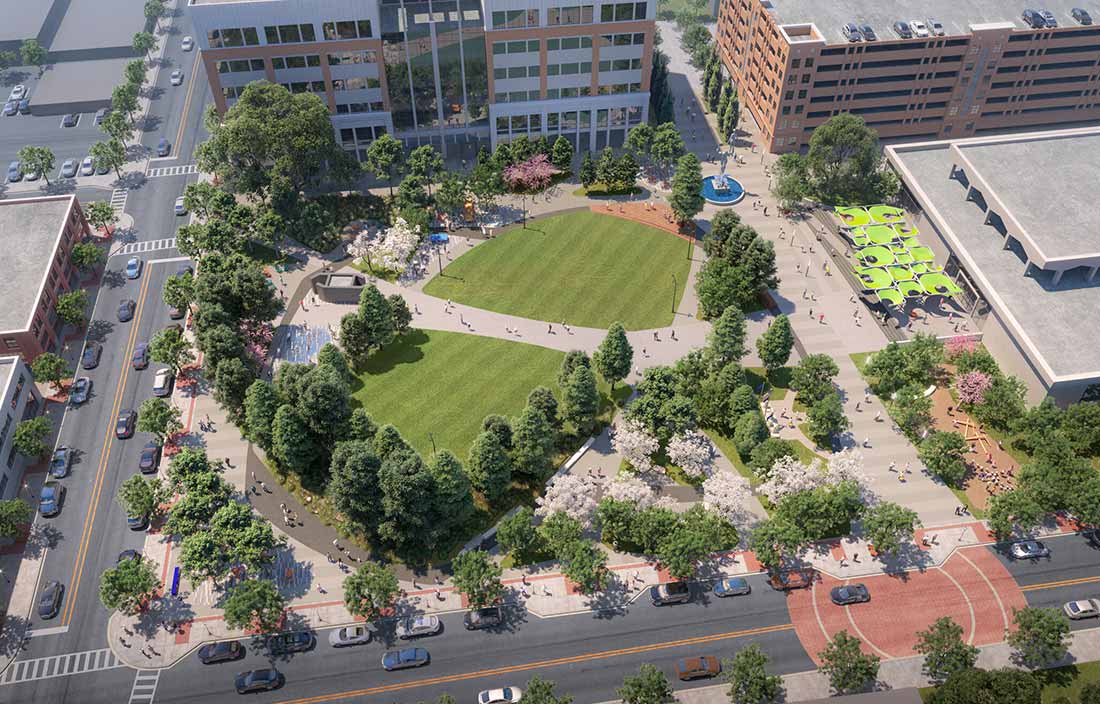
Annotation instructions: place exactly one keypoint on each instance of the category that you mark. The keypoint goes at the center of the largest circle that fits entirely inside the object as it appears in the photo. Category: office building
(979, 67)
(459, 74)
(20, 401)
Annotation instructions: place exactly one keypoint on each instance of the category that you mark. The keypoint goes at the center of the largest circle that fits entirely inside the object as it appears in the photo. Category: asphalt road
(1074, 563)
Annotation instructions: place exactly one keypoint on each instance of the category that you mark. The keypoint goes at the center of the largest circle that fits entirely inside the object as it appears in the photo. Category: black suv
(902, 30)
(223, 651)
(483, 618)
(296, 642)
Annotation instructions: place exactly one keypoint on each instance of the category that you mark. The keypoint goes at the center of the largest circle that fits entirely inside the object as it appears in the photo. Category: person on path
(550, 328)
(811, 312)
(878, 417)
(857, 407)
(821, 319)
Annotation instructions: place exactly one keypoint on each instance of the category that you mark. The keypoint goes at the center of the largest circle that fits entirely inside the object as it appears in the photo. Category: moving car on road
(179, 208)
(133, 267)
(126, 310)
(150, 458)
(163, 147)
(60, 462)
(701, 667)
(487, 617)
(50, 601)
(294, 642)
(177, 77)
(735, 586)
(670, 593)
(51, 499)
(791, 579)
(68, 168)
(349, 635)
(90, 358)
(849, 594)
(405, 658)
(1082, 608)
(417, 626)
(222, 651)
(500, 696)
(187, 44)
(124, 424)
(140, 358)
(1028, 550)
(263, 680)
(78, 394)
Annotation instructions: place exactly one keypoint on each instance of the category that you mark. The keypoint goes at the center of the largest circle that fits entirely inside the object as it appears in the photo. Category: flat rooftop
(78, 81)
(22, 19)
(956, 15)
(1057, 322)
(30, 228)
(8, 364)
(94, 24)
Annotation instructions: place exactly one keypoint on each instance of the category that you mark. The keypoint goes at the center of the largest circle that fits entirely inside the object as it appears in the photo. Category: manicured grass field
(584, 268)
(445, 383)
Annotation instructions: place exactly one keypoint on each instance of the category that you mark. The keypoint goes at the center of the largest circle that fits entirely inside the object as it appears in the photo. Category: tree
(371, 326)
(154, 10)
(385, 158)
(1040, 637)
(540, 691)
(573, 359)
(774, 345)
(254, 604)
(231, 381)
(143, 43)
(943, 649)
(584, 564)
(561, 155)
(911, 410)
(39, 160)
(50, 368)
(748, 677)
(370, 590)
(1003, 402)
(8, 59)
(813, 377)
(614, 356)
(1090, 693)
(975, 686)
(407, 522)
(605, 168)
(649, 686)
(454, 504)
(171, 348)
(124, 98)
(33, 53)
(668, 145)
(886, 524)
(942, 453)
(477, 577)
(141, 497)
(697, 534)
(14, 514)
(129, 585)
(354, 488)
(827, 418)
(845, 163)
(30, 436)
(765, 455)
(686, 199)
(425, 162)
(488, 466)
(115, 124)
(581, 399)
(110, 155)
(158, 417)
(749, 431)
(1011, 509)
(726, 341)
(134, 72)
(790, 180)
(516, 534)
(588, 174)
(101, 216)
(533, 440)
(845, 664)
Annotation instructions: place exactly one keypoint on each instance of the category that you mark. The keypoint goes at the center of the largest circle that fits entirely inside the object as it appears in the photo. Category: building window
(240, 66)
(573, 14)
(353, 57)
(347, 29)
(307, 61)
(231, 37)
(11, 343)
(623, 12)
(359, 83)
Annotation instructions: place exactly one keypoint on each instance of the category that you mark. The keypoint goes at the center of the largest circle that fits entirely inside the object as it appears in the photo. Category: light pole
(674, 294)
(432, 438)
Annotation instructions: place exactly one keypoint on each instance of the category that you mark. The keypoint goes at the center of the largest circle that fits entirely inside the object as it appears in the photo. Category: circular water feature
(722, 190)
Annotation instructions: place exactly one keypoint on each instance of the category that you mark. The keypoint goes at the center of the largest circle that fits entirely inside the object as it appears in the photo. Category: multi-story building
(458, 74)
(980, 68)
(38, 234)
(19, 400)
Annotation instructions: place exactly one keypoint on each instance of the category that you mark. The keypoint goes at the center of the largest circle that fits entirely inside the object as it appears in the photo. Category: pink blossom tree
(571, 495)
(972, 386)
(631, 440)
(634, 490)
(693, 452)
(727, 494)
(958, 345)
(531, 175)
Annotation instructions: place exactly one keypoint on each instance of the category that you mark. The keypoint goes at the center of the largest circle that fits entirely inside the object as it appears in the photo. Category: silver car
(180, 208)
(177, 77)
(1082, 608)
(87, 167)
(68, 169)
(349, 635)
(417, 626)
(1029, 550)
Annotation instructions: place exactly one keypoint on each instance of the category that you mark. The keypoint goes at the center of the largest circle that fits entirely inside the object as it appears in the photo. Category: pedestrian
(857, 407)
(254, 480)
(655, 337)
(328, 555)
(765, 211)
(264, 487)
(803, 294)
(644, 353)
(673, 334)
(867, 398)
(550, 328)
(811, 312)
(878, 417)
(950, 410)
(821, 319)
(866, 442)
(893, 466)
(807, 267)
(336, 544)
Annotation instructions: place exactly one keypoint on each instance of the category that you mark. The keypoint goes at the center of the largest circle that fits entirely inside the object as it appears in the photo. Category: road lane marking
(187, 102)
(39, 632)
(118, 200)
(60, 666)
(587, 657)
(1060, 583)
(97, 489)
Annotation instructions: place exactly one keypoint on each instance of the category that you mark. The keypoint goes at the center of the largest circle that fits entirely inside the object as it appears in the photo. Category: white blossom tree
(693, 452)
(727, 494)
(789, 476)
(631, 440)
(570, 494)
(392, 249)
(846, 465)
(634, 490)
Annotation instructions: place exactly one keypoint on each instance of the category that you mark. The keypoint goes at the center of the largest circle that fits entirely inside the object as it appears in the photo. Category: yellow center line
(557, 662)
(1060, 583)
(101, 472)
(187, 101)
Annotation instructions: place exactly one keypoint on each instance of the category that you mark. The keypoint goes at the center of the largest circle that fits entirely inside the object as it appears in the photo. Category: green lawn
(582, 267)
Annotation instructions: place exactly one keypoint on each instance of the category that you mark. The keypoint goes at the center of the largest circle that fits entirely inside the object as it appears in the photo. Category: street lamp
(432, 438)
(674, 294)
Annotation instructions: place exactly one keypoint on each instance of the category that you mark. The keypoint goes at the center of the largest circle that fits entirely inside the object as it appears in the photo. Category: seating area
(892, 263)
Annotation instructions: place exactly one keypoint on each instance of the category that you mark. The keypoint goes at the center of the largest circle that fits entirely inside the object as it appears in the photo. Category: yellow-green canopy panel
(890, 295)
(938, 284)
(876, 256)
(874, 278)
(885, 213)
(922, 254)
(903, 258)
(861, 241)
(911, 289)
(905, 230)
(900, 273)
(881, 234)
(853, 217)
(919, 269)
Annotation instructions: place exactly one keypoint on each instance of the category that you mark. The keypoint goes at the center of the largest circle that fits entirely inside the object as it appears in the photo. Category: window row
(569, 69)
(351, 108)
(360, 83)
(516, 96)
(348, 29)
(350, 136)
(305, 86)
(289, 33)
(232, 92)
(636, 38)
(582, 92)
(515, 19)
(516, 72)
(570, 121)
(305, 61)
(621, 65)
(623, 12)
(343, 58)
(572, 14)
(517, 47)
(240, 66)
(232, 36)
(620, 88)
(565, 43)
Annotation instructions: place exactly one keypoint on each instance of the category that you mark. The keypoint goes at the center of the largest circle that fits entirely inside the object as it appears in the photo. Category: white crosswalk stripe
(60, 666)
(172, 171)
(147, 246)
(118, 199)
(145, 686)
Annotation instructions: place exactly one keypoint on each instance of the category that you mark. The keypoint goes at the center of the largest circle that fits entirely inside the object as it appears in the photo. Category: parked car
(68, 168)
(349, 635)
(1081, 15)
(791, 579)
(162, 383)
(51, 499)
(293, 642)
(49, 603)
(1082, 608)
(1048, 18)
(868, 33)
(1033, 19)
(149, 460)
(417, 626)
(735, 586)
(90, 358)
(935, 27)
(87, 167)
(405, 658)
(919, 28)
(140, 358)
(222, 651)
(137, 522)
(11, 108)
(60, 462)
(176, 78)
(133, 267)
(487, 617)
(849, 594)
(99, 115)
(670, 593)
(124, 424)
(500, 696)
(70, 120)
(18, 92)
(25, 106)
(175, 313)
(1093, 536)
(78, 394)
(15, 172)
(31, 176)
(179, 208)
(902, 30)
(187, 44)
(126, 310)
(701, 667)
(851, 32)
(1028, 550)
(263, 680)
(128, 555)
(163, 147)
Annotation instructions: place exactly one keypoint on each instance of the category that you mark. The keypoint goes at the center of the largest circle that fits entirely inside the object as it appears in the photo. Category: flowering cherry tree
(727, 494)
(391, 249)
(258, 339)
(571, 495)
(531, 175)
(789, 476)
(693, 452)
(631, 440)
(627, 488)
(957, 345)
(972, 386)
(846, 465)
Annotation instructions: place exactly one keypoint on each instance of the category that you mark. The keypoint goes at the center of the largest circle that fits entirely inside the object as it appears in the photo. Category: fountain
(722, 190)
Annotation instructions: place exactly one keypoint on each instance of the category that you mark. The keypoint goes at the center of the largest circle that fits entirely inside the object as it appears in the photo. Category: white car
(87, 167)
(180, 208)
(162, 383)
(18, 93)
(177, 77)
(920, 29)
(188, 44)
(426, 625)
(497, 696)
(349, 635)
(1083, 608)
(935, 27)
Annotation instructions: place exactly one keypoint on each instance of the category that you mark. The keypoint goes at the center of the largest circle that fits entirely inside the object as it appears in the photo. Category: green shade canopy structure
(905, 230)
(890, 295)
(938, 284)
(922, 254)
(903, 258)
(853, 217)
(861, 241)
(911, 289)
(881, 234)
(900, 273)
(874, 278)
(876, 255)
(885, 213)
(910, 242)
(919, 269)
